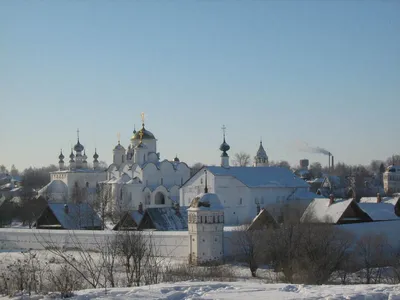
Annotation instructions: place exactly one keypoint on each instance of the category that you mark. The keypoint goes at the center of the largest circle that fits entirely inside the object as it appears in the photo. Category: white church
(243, 191)
(76, 173)
(137, 176)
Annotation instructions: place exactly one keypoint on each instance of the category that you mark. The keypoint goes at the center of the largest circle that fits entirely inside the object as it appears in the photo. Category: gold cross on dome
(141, 134)
(142, 116)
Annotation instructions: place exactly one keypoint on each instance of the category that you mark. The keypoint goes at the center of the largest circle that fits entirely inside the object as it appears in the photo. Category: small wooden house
(69, 216)
(130, 220)
(334, 211)
(263, 220)
(381, 208)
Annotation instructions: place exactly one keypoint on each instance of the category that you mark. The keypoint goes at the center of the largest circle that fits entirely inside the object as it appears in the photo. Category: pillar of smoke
(303, 146)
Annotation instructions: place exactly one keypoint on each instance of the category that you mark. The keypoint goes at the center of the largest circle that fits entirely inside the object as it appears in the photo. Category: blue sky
(323, 72)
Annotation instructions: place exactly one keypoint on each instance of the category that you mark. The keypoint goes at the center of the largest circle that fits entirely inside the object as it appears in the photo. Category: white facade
(138, 176)
(244, 190)
(76, 173)
(206, 229)
(391, 180)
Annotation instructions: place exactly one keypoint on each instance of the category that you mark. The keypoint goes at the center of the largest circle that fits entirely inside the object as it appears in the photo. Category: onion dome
(78, 147)
(95, 155)
(176, 159)
(147, 135)
(61, 156)
(71, 156)
(84, 156)
(224, 148)
(119, 147)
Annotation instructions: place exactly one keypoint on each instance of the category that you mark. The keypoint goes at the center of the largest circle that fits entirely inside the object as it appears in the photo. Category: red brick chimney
(331, 199)
(378, 198)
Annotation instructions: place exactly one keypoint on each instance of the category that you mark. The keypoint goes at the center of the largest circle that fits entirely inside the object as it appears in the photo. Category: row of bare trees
(318, 253)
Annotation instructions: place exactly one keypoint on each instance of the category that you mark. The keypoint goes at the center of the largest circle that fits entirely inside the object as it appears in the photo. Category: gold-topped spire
(142, 116)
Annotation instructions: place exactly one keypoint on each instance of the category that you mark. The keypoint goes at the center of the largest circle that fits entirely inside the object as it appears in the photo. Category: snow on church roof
(260, 176)
(165, 219)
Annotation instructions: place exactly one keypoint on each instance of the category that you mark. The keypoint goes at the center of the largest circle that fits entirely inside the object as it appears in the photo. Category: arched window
(87, 184)
(240, 201)
(205, 219)
(201, 219)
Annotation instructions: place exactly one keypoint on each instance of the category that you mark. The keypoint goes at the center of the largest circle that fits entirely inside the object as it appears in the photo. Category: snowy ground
(242, 290)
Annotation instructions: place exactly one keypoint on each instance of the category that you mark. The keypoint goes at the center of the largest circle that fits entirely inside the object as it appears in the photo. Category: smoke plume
(307, 148)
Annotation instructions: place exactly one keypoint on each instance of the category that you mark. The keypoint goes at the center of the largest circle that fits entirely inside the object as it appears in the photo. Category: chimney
(140, 209)
(378, 198)
(329, 161)
(331, 199)
(332, 165)
(66, 209)
(177, 209)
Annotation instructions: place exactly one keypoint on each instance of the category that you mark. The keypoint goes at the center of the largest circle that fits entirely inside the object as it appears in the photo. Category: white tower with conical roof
(206, 228)
(261, 158)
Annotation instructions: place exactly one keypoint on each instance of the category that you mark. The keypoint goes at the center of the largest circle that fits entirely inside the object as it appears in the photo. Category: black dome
(78, 147)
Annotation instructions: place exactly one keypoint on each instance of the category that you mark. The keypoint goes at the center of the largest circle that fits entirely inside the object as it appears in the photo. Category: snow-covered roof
(388, 200)
(206, 201)
(260, 176)
(79, 215)
(379, 211)
(125, 178)
(319, 210)
(55, 186)
(165, 219)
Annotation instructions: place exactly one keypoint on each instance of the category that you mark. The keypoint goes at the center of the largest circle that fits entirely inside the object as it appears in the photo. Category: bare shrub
(134, 251)
(186, 272)
(65, 280)
(24, 274)
(249, 247)
(322, 250)
(372, 252)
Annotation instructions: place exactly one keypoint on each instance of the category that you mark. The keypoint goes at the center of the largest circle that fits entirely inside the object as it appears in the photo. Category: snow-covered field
(241, 290)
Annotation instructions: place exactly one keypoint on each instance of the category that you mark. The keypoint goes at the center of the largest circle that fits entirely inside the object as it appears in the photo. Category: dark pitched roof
(165, 219)
(79, 216)
(129, 220)
(263, 220)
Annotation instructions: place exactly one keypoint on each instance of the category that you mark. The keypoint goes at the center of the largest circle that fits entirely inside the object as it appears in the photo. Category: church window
(201, 219)
(87, 184)
(201, 181)
(144, 157)
(205, 219)
(240, 201)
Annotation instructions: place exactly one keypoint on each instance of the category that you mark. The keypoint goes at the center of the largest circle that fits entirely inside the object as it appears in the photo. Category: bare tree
(195, 168)
(249, 246)
(372, 252)
(241, 159)
(103, 201)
